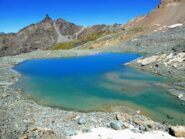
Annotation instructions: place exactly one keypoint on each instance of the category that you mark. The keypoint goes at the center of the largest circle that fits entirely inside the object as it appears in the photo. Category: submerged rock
(169, 117)
(180, 96)
(178, 131)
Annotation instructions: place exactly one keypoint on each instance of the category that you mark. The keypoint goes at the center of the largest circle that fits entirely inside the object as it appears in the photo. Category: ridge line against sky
(16, 14)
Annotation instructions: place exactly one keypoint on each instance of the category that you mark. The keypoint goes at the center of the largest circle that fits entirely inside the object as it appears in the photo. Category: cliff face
(167, 13)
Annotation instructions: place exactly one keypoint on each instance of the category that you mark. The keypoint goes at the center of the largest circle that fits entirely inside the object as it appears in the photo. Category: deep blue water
(98, 83)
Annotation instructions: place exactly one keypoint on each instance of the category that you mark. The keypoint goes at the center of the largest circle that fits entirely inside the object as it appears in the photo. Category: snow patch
(105, 133)
(175, 25)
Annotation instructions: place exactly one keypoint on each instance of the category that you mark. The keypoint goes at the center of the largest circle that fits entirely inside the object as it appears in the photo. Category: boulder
(178, 131)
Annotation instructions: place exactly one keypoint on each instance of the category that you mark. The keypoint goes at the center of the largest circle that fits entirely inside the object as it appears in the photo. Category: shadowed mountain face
(45, 34)
(167, 13)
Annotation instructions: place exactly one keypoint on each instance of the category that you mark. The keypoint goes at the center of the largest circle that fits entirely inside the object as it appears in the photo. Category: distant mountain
(168, 12)
(45, 34)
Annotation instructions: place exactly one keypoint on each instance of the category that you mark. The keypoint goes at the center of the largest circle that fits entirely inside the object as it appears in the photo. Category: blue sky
(16, 14)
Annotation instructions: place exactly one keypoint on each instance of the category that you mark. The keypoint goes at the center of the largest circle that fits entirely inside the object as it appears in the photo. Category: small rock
(122, 117)
(70, 132)
(86, 130)
(138, 122)
(117, 125)
(178, 131)
(180, 96)
(150, 124)
(34, 129)
(182, 104)
(126, 125)
(81, 121)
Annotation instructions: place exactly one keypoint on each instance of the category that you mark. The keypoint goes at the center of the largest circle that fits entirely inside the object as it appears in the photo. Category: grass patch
(137, 29)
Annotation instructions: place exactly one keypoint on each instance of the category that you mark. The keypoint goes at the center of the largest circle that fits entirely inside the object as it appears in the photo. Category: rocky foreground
(23, 118)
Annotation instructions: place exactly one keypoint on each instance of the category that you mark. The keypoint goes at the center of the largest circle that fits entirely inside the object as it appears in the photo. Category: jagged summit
(47, 18)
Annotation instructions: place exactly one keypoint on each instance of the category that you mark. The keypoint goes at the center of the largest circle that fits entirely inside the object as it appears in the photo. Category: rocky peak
(47, 19)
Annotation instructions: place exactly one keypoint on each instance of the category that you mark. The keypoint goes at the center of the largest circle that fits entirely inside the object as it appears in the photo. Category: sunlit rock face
(165, 3)
(166, 13)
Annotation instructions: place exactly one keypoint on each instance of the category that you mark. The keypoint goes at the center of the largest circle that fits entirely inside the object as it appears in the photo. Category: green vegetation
(137, 29)
(82, 40)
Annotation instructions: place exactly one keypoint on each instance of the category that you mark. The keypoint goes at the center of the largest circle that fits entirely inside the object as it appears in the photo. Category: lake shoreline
(22, 117)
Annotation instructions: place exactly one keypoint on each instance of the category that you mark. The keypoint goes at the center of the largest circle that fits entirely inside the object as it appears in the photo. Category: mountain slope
(41, 35)
(167, 13)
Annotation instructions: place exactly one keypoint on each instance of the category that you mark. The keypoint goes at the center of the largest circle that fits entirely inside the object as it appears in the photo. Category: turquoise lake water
(98, 83)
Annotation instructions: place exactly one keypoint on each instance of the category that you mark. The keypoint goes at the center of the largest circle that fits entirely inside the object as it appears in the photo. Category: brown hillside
(168, 12)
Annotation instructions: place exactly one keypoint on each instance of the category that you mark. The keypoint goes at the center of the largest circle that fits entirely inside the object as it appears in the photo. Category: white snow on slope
(175, 25)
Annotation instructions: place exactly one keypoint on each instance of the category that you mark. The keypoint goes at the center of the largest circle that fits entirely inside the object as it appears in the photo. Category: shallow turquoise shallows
(99, 83)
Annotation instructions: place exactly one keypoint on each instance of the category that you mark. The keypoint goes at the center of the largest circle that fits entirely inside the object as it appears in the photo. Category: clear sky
(16, 14)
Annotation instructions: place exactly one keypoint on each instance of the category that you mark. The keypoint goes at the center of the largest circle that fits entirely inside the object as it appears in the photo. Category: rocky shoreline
(170, 65)
(22, 117)
(163, 54)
